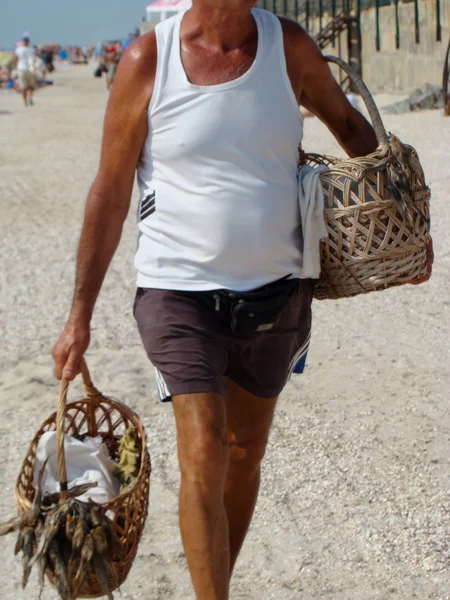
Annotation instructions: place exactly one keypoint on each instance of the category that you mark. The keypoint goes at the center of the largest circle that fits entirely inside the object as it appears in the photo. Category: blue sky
(68, 21)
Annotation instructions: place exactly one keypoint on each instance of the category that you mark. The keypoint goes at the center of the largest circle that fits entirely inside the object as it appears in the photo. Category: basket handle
(375, 117)
(92, 393)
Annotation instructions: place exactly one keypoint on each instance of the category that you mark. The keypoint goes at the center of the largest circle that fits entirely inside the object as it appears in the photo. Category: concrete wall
(413, 64)
(409, 67)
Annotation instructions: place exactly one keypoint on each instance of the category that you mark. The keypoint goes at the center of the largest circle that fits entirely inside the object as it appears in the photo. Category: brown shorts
(192, 351)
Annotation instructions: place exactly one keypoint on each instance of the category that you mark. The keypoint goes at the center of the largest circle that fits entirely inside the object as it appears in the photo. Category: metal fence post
(397, 26)
(333, 16)
(377, 25)
(438, 21)
(417, 21)
(359, 35)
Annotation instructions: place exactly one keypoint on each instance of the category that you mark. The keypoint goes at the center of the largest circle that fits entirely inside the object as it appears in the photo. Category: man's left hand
(430, 260)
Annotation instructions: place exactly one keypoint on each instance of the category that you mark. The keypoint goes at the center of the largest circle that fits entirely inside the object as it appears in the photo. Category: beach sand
(355, 496)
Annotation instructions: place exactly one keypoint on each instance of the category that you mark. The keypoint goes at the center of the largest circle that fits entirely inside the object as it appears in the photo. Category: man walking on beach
(206, 108)
(27, 78)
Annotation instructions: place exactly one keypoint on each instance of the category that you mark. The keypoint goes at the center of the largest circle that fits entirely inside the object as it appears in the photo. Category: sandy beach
(355, 500)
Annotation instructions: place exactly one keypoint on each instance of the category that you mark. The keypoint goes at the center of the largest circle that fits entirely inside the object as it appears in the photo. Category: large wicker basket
(376, 212)
(96, 415)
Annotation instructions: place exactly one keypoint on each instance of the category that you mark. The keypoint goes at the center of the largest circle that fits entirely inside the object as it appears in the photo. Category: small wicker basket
(95, 415)
(377, 211)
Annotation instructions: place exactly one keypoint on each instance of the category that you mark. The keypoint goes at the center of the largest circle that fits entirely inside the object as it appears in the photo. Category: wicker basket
(377, 238)
(91, 416)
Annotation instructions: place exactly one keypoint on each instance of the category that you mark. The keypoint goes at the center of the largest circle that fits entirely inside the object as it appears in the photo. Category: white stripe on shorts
(163, 390)
(300, 352)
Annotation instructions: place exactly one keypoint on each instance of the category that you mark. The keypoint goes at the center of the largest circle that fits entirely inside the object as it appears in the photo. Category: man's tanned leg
(248, 424)
(203, 457)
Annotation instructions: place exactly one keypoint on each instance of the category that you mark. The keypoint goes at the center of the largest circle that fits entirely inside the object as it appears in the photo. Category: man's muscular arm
(317, 90)
(125, 131)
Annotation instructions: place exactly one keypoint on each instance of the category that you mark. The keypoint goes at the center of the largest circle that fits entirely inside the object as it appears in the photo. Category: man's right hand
(69, 350)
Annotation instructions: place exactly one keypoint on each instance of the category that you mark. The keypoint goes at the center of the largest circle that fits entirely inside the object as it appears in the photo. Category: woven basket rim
(22, 500)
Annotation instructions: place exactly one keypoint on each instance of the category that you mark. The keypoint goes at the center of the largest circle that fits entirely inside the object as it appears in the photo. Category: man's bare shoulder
(291, 30)
(297, 42)
(136, 72)
(140, 58)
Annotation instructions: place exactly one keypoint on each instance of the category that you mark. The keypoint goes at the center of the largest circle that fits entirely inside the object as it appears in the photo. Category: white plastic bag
(87, 461)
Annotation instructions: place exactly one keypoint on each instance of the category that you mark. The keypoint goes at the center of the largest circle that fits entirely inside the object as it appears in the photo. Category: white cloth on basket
(87, 461)
(311, 202)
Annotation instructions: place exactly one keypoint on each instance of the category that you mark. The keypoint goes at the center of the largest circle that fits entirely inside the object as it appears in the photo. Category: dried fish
(99, 569)
(87, 553)
(73, 565)
(71, 523)
(28, 542)
(30, 518)
(42, 564)
(59, 570)
(53, 522)
(100, 519)
(35, 510)
(11, 525)
(88, 549)
(73, 539)
(78, 490)
(80, 532)
(19, 544)
(78, 582)
(100, 540)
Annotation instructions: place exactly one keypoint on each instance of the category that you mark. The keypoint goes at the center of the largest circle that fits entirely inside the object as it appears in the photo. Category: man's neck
(212, 25)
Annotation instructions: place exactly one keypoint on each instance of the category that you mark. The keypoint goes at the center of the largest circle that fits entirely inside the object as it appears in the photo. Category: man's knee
(202, 441)
(205, 459)
(247, 455)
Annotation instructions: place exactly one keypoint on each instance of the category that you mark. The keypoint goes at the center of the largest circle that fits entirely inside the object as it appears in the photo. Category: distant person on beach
(27, 78)
(111, 61)
(99, 50)
(47, 56)
(206, 108)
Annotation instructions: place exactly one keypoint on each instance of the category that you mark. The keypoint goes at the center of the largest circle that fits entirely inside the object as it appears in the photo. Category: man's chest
(206, 67)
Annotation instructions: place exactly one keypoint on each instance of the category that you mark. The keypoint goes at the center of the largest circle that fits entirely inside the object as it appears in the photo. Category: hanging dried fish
(28, 542)
(71, 523)
(100, 572)
(100, 519)
(31, 517)
(55, 519)
(87, 553)
(70, 540)
(42, 564)
(78, 490)
(11, 525)
(100, 541)
(59, 570)
(80, 532)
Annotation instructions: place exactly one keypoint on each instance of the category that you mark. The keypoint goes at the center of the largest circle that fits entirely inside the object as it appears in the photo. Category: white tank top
(218, 172)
